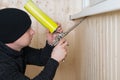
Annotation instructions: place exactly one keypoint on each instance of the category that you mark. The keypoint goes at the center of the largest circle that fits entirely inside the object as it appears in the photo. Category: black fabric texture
(13, 63)
(13, 24)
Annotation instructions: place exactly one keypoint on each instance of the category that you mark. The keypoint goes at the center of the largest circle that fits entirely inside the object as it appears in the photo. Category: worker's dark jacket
(13, 63)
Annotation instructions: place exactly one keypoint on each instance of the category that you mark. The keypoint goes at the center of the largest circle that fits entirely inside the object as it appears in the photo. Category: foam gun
(63, 34)
(46, 21)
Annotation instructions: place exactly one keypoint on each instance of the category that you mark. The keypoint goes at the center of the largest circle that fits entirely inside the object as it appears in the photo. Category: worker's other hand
(51, 36)
(60, 51)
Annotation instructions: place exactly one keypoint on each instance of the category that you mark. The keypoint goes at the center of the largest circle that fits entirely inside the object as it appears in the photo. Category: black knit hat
(13, 24)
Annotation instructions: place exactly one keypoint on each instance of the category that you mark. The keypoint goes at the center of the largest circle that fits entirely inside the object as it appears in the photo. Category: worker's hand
(51, 36)
(59, 52)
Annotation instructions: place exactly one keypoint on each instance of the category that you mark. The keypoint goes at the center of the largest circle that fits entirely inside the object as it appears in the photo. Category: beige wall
(94, 50)
(98, 47)
(94, 45)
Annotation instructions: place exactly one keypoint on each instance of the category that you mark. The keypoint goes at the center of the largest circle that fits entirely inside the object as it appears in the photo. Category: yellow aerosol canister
(40, 16)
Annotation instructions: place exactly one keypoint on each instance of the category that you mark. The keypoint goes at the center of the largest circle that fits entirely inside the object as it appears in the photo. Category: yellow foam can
(40, 16)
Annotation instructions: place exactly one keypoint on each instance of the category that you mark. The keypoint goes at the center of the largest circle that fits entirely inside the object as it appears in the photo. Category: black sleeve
(49, 70)
(10, 72)
(37, 56)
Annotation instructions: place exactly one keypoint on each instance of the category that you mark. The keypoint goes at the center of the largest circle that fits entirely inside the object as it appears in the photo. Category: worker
(16, 34)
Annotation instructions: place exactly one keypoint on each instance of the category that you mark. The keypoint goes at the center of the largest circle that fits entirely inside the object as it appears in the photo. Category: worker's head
(14, 23)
